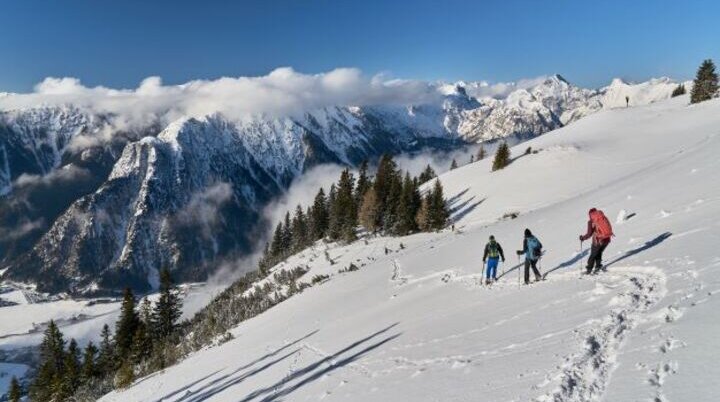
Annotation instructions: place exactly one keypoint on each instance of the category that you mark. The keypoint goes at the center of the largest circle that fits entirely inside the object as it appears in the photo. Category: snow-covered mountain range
(90, 205)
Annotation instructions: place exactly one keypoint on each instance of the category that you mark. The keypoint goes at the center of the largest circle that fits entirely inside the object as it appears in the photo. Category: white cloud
(282, 92)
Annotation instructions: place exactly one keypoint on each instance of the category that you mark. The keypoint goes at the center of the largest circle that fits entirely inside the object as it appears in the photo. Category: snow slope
(414, 325)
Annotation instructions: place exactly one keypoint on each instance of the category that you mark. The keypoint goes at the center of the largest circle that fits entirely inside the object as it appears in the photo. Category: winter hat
(592, 210)
(492, 237)
(528, 233)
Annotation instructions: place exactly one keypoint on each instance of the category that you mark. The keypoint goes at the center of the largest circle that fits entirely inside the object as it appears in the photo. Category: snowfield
(414, 324)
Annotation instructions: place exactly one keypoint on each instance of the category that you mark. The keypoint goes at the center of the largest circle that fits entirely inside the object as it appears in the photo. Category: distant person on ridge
(599, 228)
(532, 248)
(627, 101)
(494, 251)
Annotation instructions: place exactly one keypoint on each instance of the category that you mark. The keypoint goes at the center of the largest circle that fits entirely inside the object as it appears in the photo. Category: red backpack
(603, 229)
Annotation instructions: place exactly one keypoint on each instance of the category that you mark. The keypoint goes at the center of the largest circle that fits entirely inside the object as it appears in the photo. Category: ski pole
(580, 259)
(519, 269)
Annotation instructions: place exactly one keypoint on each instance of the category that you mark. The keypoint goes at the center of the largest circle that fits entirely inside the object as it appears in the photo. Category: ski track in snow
(585, 375)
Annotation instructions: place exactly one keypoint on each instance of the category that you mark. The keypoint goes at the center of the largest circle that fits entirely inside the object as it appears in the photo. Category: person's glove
(503, 260)
(484, 261)
(581, 238)
(519, 252)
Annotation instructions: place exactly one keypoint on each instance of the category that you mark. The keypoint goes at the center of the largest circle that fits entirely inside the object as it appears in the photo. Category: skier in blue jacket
(493, 250)
(532, 248)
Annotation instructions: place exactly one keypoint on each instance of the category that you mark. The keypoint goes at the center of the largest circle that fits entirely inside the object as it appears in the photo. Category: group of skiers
(598, 228)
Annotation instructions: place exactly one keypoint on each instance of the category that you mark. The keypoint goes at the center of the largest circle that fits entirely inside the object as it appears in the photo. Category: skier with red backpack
(600, 230)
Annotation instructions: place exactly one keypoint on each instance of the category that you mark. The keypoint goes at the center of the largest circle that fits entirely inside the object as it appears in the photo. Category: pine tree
(392, 202)
(334, 220)
(502, 157)
(319, 216)
(71, 371)
(89, 368)
(126, 324)
(363, 183)
(705, 85)
(679, 90)
(346, 210)
(426, 175)
(167, 309)
(125, 375)
(369, 213)
(438, 212)
(287, 234)
(142, 343)
(106, 356)
(145, 311)
(481, 153)
(423, 215)
(48, 381)
(453, 165)
(276, 246)
(407, 207)
(299, 230)
(383, 183)
(14, 393)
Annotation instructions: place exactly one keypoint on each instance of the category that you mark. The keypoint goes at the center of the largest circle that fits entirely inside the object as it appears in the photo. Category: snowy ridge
(414, 323)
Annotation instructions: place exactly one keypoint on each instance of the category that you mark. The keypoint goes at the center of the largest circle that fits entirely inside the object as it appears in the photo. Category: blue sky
(118, 43)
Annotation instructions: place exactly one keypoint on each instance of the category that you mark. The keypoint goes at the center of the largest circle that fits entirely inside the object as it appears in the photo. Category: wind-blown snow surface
(414, 325)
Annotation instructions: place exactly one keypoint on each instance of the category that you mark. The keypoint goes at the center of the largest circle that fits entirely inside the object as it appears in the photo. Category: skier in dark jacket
(599, 228)
(493, 250)
(532, 248)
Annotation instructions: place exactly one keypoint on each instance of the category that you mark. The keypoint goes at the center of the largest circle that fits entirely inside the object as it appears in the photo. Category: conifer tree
(167, 309)
(392, 203)
(423, 215)
(89, 367)
(142, 343)
(679, 90)
(126, 324)
(299, 229)
(276, 246)
(71, 371)
(346, 211)
(407, 207)
(705, 85)
(438, 213)
(481, 153)
(383, 183)
(363, 183)
(426, 175)
(15, 392)
(502, 157)
(48, 381)
(334, 220)
(125, 375)
(319, 216)
(106, 355)
(369, 213)
(287, 234)
(472, 158)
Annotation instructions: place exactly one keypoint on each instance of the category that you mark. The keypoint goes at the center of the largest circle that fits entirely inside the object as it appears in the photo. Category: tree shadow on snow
(458, 212)
(569, 263)
(223, 382)
(649, 244)
(455, 198)
(320, 368)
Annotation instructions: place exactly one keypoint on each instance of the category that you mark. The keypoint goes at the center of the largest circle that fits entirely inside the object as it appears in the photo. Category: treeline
(144, 341)
(389, 202)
